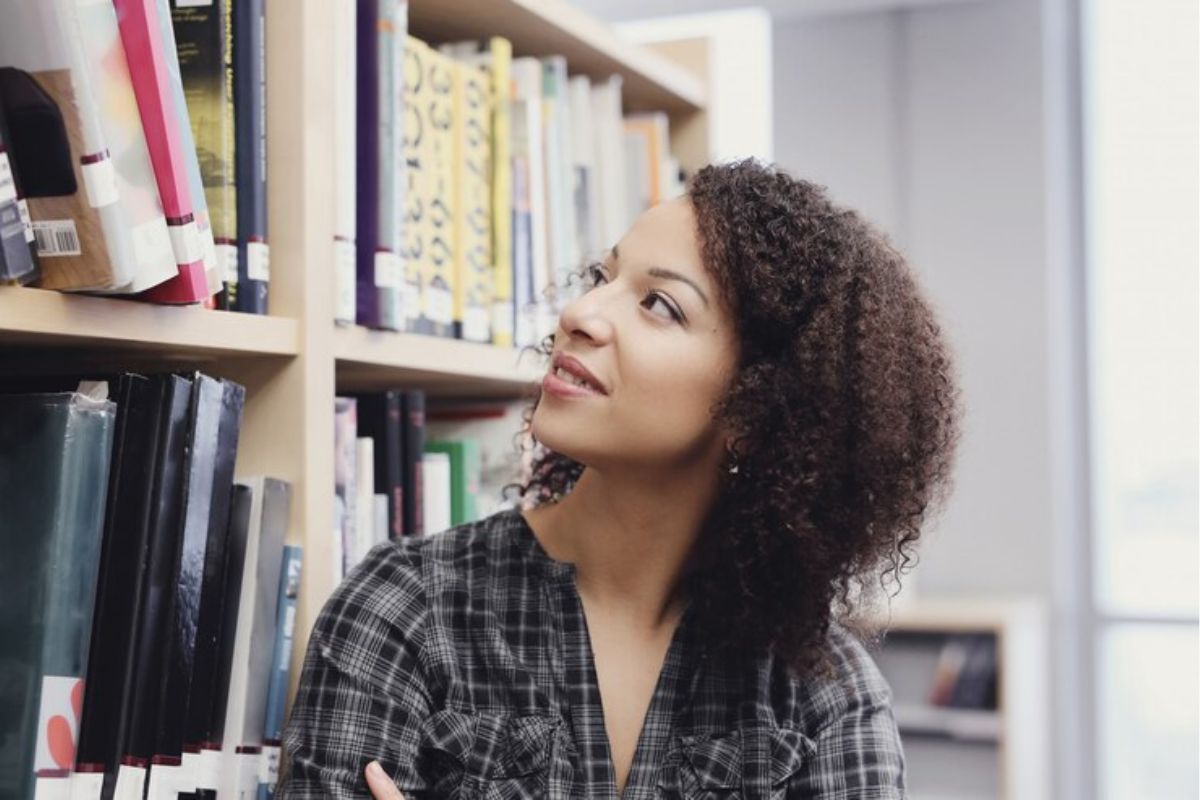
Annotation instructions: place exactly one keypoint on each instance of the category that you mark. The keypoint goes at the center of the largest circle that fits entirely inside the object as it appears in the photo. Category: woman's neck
(630, 540)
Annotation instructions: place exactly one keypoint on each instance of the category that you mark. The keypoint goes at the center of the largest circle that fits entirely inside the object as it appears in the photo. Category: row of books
(147, 600)
(470, 185)
(391, 479)
(966, 672)
(133, 149)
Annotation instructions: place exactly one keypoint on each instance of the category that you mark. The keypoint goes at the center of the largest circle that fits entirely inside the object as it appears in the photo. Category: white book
(364, 501)
(345, 129)
(527, 96)
(556, 105)
(585, 194)
(436, 480)
(254, 639)
(381, 518)
(610, 161)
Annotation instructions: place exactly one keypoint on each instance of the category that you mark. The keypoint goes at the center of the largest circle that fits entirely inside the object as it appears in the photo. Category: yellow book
(472, 179)
(417, 183)
(503, 317)
(441, 221)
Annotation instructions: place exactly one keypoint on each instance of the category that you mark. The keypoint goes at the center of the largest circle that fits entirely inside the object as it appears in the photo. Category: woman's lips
(552, 384)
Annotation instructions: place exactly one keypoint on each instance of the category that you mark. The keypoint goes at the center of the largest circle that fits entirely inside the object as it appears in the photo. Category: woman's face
(653, 331)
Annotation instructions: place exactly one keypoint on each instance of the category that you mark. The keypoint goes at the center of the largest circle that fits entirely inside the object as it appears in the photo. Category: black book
(122, 560)
(166, 506)
(18, 255)
(240, 504)
(175, 681)
(976, 684)
(250, 154)
(413, 449)
(197, 729)
(380, 416)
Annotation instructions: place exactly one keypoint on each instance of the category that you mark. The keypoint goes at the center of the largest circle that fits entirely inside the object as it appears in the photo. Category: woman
(748, 415)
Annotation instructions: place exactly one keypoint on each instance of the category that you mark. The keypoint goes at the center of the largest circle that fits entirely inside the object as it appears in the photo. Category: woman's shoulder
(395, 579)
(851, 680)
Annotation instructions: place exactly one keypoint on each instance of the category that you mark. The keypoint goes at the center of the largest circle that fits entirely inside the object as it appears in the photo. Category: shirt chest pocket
(474, 755)
(755, 762)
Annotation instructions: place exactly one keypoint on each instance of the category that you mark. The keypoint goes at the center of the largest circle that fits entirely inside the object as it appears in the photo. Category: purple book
(367, 193)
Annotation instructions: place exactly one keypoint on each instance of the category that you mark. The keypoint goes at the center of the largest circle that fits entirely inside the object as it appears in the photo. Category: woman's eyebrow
(671, 275)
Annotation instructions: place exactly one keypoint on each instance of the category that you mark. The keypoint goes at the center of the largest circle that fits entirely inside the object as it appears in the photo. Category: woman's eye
(654, 298)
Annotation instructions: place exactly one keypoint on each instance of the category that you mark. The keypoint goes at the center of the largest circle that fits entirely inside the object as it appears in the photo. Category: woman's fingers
(380, 784)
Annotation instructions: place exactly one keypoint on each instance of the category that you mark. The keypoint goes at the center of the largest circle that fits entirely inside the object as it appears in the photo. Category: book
(473, 268)
(418, 189)
(465, 467)
(583, 157)
(145, 50)
(529, 199)
(54, 461)
(437, 504)
(245, 713)
(212, 266)
(503, 311)
(389, 269)
(345, 421)
(614, 215)
(69, 104)
(560, 222)
(203, 39)
(442, 217)
(345, 165)
(155, 615)
(18, 256)
(379, 416)
(364, 494)
(412, 445)
(198, 730)
(250, 154)
(281, 667)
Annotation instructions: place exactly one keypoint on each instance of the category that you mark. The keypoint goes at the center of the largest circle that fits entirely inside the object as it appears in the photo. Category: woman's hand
(380, 784)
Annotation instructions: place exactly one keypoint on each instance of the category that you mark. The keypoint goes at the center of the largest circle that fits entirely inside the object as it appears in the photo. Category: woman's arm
(859, 756)
(362, 693)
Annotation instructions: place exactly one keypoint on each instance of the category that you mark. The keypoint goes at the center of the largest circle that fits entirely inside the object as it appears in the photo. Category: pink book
(144, 50)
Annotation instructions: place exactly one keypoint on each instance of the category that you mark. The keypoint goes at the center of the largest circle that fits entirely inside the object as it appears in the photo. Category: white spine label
(8, 186)
(131, 783)
(185, 242)
(345, 262)
(476, 324)
(227, 255)
(439, 304)
(258, 261)
(100, 181)
(87, 785)
(389, 270)
(26, 219)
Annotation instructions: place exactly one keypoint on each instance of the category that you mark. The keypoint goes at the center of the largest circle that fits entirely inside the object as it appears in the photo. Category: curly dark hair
(845, 409)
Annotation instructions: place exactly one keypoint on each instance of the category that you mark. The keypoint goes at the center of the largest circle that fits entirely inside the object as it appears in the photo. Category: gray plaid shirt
(461, 661)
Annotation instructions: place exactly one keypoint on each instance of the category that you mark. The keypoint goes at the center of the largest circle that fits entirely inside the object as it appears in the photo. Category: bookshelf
(971, 754)
(295, 360)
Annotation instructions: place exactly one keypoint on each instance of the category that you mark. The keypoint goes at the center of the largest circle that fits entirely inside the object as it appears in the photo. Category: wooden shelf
(553, 27)
(368, 359)
(969, 725)
(36, 318)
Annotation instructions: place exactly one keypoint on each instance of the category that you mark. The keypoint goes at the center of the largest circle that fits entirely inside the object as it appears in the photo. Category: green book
(465, 467)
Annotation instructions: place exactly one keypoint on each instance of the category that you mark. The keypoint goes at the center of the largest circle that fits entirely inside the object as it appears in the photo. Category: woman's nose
(587, 316)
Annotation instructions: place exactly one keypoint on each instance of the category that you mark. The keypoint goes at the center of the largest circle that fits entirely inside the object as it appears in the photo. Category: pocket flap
(790, 750)
(714, 760)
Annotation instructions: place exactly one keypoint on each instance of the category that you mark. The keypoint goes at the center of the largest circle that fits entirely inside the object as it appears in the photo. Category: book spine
(281, 667)
(345, 432)
(18, 261)
(367, 244)
(388, 262)
(503, 320)
(472, 166)
(141, 36)
(414, 448)
(416, 195)
(250, 154)
(442, 220)
(345, 164)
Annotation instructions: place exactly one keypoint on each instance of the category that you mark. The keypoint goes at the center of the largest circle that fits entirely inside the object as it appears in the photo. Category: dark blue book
(281, 666)
(250, 154)
(18, 256)
(367, 184)
(380, 416)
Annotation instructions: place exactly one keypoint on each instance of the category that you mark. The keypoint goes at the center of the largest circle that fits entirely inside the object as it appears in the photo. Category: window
(1142, 206)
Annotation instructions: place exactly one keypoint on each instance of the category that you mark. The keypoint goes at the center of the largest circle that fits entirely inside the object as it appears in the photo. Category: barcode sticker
(227, 257)
(8, 186)
(258, 261)
(87, 785)
(26, 220)
(185, 243)
(439, 304)
(100, 180)
(56, 237)
(131, 783)
(389, 270)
